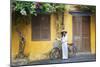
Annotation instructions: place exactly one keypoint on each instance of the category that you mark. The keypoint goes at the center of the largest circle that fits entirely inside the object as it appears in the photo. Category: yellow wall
(15, 39)
(93, 34)
(40, 48)
(68, 26)
(36, 50)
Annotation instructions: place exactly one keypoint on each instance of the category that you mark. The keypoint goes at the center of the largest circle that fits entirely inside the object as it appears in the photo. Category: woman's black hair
(63, 33)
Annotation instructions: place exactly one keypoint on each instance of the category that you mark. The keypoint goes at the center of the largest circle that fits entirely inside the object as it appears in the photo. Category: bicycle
(56, 52)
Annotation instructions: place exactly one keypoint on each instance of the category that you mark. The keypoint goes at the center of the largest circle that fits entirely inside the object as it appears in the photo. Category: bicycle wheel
(55, 53)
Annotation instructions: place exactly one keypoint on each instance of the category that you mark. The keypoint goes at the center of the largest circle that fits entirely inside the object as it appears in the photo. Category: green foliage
(22, 9)
(87, 8)
(25, 8)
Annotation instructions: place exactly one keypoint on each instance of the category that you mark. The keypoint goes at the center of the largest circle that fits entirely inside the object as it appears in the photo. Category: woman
(64, 45)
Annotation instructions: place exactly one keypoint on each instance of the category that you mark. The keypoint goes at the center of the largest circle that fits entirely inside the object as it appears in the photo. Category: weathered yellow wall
(68, 26)
(93, 34)
(15, 39)
(36, 50)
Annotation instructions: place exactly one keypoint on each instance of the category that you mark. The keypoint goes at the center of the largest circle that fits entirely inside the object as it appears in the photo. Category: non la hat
(64, 31)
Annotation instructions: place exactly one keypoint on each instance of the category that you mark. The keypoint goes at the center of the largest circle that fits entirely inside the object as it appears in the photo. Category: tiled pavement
(73, 59)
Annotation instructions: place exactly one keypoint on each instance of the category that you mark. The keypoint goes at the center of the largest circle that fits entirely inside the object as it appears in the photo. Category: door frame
(79, 13)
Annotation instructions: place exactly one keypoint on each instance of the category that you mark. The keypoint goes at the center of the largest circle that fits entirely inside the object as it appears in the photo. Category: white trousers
(64, 50)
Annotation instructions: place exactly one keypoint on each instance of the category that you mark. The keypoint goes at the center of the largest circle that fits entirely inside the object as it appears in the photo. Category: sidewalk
(74, 59)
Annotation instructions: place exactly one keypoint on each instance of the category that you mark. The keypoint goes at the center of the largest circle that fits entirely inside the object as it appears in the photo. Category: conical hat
(64, 31)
